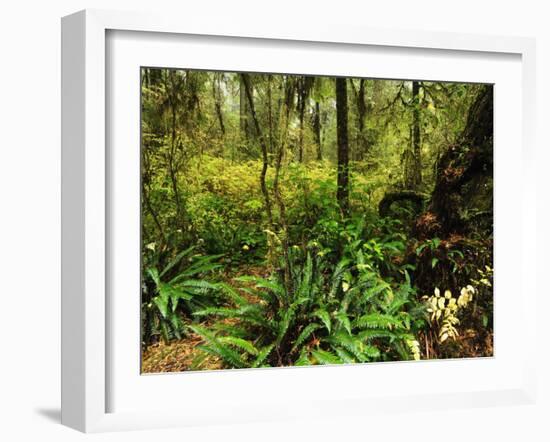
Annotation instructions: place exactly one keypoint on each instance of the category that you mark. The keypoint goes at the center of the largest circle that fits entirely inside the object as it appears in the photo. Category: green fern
(377, 320)
(326, 357)
(304, 334)
(343, 316)
(176, 290)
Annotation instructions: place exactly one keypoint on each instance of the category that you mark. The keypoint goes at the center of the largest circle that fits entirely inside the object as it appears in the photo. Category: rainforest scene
(297, 220)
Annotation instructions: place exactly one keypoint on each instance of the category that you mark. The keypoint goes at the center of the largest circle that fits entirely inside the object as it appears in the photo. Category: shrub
(178, 289)
(344, 315)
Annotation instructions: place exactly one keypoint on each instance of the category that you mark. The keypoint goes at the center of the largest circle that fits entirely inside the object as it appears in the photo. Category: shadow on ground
(51, 414)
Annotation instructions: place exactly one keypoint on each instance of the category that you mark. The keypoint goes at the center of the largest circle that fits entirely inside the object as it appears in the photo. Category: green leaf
(214, 346)
(434, 262)
(374, 333)
(324, 316)
(232, 294)
(377, 320)
(325, 357)
(162, 304)
(263, 354)
(344, 320)
(344, 355)
(304, 334)
(239, 342)
(303, 359)
(176, 260)
(288, 316)
(154, 274)
(371, 352)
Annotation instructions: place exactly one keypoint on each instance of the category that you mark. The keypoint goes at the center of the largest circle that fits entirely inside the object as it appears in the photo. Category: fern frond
(344, 355)
(351, 344)
(371, 351)
(176, 260)
(338, 275)
(304, 334)
(202, 264)
(324, 316)
(303, 359)
(325, 357)
(214, 346)
(306, 277)
(263, 283)
(284, 324)
(262, 355)
(239, 342)
(154, 274)
(231, 294)
(231, 330)
(366, 335)
(344, 321)
(377, 320)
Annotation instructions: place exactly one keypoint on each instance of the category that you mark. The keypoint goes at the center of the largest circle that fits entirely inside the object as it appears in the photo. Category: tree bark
(218, 100)
(460, 170)
(317, 130)
(245, 112)
(361, 145)
(248, 92)
(304, 86)
(342, 193)
(416, 135)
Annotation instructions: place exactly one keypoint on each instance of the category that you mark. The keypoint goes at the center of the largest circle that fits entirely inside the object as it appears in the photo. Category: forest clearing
(292, 220)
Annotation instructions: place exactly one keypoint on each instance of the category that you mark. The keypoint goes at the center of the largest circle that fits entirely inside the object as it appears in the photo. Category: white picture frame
(87, 317)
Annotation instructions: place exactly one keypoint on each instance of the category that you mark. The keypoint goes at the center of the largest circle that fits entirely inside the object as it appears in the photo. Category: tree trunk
(463, 173)
(361, 145)
(342, 193)
(317, 130)
(416, 135)
(218, 100)
(245, 82)
(245, 117)
(304, 87)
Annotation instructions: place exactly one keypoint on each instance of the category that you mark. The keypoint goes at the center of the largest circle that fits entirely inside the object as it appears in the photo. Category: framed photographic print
(291, 223)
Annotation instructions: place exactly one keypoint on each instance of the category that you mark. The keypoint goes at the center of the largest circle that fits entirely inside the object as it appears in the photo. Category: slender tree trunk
(416, 134)
(243, 107)
(172, 156)
(270, 112)
(361, 113)
(248, 93)
(218, 100)
(301, 135)
(145, 188)
(342, 193)
(317, 130)
(304, 87)
(173, 86)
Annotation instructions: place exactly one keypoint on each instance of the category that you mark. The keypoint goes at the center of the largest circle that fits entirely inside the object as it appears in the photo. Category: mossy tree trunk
(342, 193)
(465, 164)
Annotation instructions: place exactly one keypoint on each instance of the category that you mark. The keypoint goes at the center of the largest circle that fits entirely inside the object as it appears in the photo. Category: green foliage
(333, 314)
(178, 289)
(247, 256)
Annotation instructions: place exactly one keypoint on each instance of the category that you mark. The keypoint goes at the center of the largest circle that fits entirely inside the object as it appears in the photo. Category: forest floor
(185, 355)
(178, 356)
